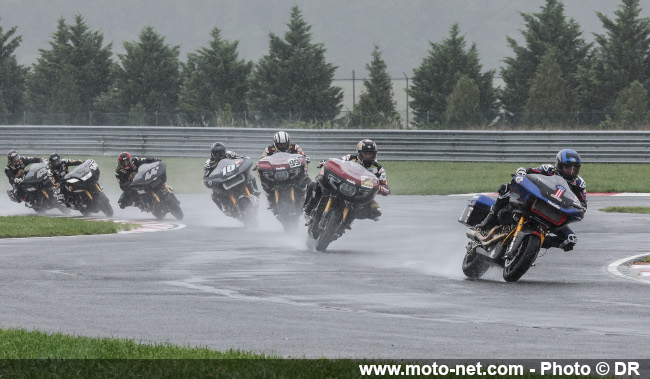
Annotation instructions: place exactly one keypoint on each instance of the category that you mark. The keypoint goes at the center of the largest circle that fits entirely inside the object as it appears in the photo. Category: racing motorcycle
(345, 186)
(39, 189)
(539, 205)
(284, 177)
(151, 192)
(86, 195)
(231, 180)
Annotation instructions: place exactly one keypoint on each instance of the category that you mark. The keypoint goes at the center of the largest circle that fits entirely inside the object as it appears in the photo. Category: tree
(215, 79)
(376, 106)
(148, 80)
(622, 57)
(293, 81)
(69, 76)
(548, 29)
(631, 107)
(439, 73)
(463, 104)
(12, 77)
(550, 98)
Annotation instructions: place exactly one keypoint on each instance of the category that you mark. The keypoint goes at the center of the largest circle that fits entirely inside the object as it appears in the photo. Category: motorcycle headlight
(281, 175)
(73, 180)
(347, 189)
(334, 181)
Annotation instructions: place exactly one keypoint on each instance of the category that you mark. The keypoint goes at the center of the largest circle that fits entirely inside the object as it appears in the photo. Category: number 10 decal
(227, 169)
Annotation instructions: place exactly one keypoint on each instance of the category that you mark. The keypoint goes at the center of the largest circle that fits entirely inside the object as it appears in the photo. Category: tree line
(553, 78)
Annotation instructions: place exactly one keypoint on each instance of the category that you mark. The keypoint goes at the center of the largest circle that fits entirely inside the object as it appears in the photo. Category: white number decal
(227, 169)
(294, 162)
(151, 173)
(93, 165)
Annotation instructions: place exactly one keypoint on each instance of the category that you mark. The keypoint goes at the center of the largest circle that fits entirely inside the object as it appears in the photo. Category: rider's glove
(321, 163)
(307, 159)
(569, 242)
(383, 190)
(520, 171)
(18, 180)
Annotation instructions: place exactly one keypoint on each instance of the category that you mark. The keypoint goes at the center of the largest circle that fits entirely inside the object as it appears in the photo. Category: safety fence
(421, 145)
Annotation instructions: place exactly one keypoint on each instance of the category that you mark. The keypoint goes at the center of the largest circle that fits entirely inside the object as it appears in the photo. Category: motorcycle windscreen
(555, 188)
(230, 167)
(37, 172)
(353, 171)
(282, 159)
(84, 171)
(149, 172)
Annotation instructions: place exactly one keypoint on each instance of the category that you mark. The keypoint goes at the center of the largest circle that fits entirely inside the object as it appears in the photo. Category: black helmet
(55, 160)
(567, 163)
(218, 150)
(13, 156)
(282, 141)
(367, 152)
(124, 160)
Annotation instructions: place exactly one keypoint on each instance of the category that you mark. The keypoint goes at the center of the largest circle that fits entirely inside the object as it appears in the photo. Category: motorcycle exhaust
(486, 241)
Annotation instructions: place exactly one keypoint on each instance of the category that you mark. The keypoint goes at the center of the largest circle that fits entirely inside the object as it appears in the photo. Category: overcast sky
(348, 28)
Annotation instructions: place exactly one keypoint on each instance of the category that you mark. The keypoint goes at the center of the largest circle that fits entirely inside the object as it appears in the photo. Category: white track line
(613, 268)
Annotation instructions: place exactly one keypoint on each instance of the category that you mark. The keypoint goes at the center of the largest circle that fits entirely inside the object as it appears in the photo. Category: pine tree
(548, 29)
(69, 76)
(551, 100)
(631, 107)
(463, 104)
(438, 74)
(215, 78)
(148, 80)
(12, 77)
(622, 57)
(376, 106)
(293, 81)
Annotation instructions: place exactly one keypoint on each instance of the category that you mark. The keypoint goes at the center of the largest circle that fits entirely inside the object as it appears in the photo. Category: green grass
(626, 209)
(37, 226)
(411, 178)
(34, 354)
(645, 259)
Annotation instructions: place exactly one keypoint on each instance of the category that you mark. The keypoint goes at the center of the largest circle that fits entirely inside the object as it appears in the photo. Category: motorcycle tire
(175, 209)
(248, 212)
(105, 206)
(65, 210)
(523, 259)
(158, 214)
(328, 234)
(474, 266)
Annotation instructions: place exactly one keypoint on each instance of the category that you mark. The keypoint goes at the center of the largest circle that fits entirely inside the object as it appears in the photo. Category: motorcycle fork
(277, 195)
(155, 196)
(98, 187)
(45, 193)
(88, 193)
(346, 210)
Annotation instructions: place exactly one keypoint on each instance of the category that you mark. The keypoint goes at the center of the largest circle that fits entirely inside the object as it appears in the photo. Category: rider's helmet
(55, 160)
(282, 141)
(13, 156)
(125, 160)
(567, 163)
(367, 151)
(218, 151)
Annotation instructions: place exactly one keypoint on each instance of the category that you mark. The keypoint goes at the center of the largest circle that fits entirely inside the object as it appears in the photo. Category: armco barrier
(439, 145)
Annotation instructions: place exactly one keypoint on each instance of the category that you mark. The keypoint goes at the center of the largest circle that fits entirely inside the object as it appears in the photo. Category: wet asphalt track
(392, 289)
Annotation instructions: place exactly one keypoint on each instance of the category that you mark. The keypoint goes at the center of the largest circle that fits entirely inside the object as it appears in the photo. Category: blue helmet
(567, 163)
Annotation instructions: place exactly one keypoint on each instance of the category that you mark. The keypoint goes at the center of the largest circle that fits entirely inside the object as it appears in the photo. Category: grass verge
(626, 209)
(37, 226)
(410, 178)
(36, 354)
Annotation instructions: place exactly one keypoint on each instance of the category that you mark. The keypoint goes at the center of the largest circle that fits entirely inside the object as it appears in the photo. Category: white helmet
(281, 141)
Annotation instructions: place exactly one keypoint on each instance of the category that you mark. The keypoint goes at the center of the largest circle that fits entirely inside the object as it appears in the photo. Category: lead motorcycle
(86, 195)
(152, 194)
(284, 177)
(232, 181)
(539, 205)
(39, 189)
(345, 187)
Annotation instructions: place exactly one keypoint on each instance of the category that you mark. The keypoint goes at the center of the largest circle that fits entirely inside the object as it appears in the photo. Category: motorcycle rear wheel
(328, 234)
(523, 259)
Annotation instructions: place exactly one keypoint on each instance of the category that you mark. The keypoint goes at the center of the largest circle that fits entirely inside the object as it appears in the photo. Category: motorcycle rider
(125, 171)
(217, 153)
(567, 165)
(15, 171)
(282, 143)
(59, 169)
(367, 157)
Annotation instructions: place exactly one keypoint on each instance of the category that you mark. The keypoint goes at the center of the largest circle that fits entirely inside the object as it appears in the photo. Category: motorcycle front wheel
(328, 234)
(522, 259)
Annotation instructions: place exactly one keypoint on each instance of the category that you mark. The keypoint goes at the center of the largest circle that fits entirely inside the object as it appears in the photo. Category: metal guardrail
(421, 145)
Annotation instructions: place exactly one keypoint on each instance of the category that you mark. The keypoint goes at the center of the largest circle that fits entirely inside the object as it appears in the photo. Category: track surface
(392, 289)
